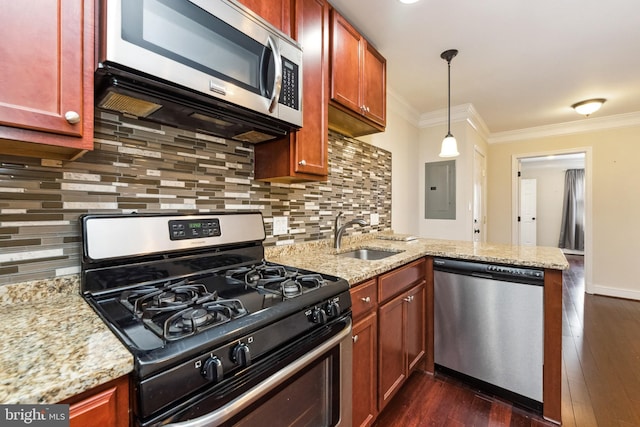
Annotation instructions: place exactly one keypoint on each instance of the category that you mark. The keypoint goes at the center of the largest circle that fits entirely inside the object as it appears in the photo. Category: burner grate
(201, 316)
(276, 279)
(180, 309)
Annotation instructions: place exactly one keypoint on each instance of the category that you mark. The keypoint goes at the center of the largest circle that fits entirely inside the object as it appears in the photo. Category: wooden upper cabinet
(303, 156)
(46, 89)
(346, 63)
(276, 12)
(358, 82)
(375, 86)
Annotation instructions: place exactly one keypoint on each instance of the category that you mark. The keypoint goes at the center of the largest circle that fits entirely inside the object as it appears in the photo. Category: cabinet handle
(72, 117)
(302, 162)
(366, 109)
(409, 298)
(366, 299)
(355, 338)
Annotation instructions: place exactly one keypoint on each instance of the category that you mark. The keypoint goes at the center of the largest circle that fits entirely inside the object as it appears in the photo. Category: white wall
(615, 201)
(430, 141)
(401, 137)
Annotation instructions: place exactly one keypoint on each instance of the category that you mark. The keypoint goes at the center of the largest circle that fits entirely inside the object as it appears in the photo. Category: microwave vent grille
(128, 104)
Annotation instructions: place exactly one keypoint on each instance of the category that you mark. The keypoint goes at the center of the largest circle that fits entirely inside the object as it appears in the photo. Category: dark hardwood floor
(601, 373)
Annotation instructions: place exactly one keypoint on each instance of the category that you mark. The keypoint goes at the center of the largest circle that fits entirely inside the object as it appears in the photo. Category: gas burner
(290, 288)
(195, 319)
(276, 279)
(169, 297)
(261, 274)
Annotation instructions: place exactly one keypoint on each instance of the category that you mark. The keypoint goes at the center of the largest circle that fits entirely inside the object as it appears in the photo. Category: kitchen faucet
(338, 230)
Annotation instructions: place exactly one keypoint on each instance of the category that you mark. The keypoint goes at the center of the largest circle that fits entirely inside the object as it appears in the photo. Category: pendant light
(449, 145)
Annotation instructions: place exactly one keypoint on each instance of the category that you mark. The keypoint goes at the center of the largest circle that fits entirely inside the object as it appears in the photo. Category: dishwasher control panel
(489, 271)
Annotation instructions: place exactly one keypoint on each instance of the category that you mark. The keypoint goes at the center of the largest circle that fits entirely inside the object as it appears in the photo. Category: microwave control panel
(290, 85)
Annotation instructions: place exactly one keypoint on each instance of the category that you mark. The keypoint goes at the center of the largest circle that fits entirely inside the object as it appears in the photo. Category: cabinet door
(392, 362)
(276, 12)
(364, 371)
(41, 65)
(346, 66)
(375, 86)
(46, 89)
(416, 325)
(106, 406)
(311, 142)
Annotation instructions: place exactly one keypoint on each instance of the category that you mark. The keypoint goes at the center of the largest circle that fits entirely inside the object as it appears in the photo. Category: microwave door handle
(277, 81)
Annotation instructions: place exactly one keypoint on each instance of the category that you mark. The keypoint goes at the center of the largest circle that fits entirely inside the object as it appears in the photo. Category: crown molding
(401, 107)
(567, 128)
(459, 113)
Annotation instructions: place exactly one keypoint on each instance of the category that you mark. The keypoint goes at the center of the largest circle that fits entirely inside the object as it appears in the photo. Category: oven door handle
(223, 414)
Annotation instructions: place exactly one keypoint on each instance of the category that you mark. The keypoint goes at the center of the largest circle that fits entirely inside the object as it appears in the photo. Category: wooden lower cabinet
(402, 328)
(365, 352)
(364, 303)
(389, 340)
(392, 361)
(416, 326)
(104, 406)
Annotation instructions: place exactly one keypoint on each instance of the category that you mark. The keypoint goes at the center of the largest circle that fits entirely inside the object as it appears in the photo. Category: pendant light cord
(449, 97)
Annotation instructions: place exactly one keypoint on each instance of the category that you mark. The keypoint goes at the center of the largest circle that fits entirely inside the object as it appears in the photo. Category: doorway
(548, 169)
(479, 225)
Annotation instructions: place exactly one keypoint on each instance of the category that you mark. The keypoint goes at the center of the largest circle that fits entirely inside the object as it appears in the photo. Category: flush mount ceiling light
(589, 106)
(449, 145)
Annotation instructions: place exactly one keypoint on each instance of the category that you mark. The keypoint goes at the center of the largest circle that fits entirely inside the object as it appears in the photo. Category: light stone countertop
(53, 345)
(321, 257)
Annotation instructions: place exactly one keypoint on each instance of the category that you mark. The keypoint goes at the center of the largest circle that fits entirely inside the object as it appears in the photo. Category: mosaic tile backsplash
(142, 167)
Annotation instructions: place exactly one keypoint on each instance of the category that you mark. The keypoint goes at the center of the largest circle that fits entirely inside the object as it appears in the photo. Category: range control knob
(333, 309)
(212, 369)
(241, 354)
(318, 315)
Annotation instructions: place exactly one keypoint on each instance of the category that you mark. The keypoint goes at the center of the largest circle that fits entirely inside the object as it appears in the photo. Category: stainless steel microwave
(210, 65)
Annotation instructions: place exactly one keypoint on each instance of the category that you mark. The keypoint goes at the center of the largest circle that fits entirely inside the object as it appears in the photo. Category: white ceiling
(521, 63)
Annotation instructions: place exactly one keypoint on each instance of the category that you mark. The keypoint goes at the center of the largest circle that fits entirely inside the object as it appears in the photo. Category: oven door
(313, 389)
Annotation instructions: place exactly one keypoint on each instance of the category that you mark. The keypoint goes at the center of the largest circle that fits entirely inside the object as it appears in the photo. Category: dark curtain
(572, 229)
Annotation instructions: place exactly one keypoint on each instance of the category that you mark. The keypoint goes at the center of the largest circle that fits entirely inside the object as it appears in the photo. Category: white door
(528, 212)
(479, 176)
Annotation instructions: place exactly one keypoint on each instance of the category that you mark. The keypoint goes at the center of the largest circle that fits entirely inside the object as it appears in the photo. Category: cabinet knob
(366, 109)
(366, 299)
(409, 298)
(355, 339)
(72, 117)
(302, 162)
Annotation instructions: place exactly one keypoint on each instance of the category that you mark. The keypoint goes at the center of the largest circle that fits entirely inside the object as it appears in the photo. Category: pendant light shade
(449, 147)
(449, 144)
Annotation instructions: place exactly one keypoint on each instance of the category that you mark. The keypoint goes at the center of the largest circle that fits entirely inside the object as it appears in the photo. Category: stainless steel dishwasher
(489, 327)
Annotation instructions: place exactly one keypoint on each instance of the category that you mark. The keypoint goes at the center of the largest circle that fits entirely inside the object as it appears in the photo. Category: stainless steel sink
(369, 253)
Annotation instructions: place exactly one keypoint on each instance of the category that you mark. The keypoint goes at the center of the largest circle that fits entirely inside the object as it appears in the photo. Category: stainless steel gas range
(220, 337)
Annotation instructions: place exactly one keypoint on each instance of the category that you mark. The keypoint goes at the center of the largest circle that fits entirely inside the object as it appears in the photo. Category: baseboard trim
(615, 292)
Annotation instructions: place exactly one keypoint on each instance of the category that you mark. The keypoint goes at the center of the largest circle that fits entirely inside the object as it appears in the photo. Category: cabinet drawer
(400, 279)
(364, 298)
